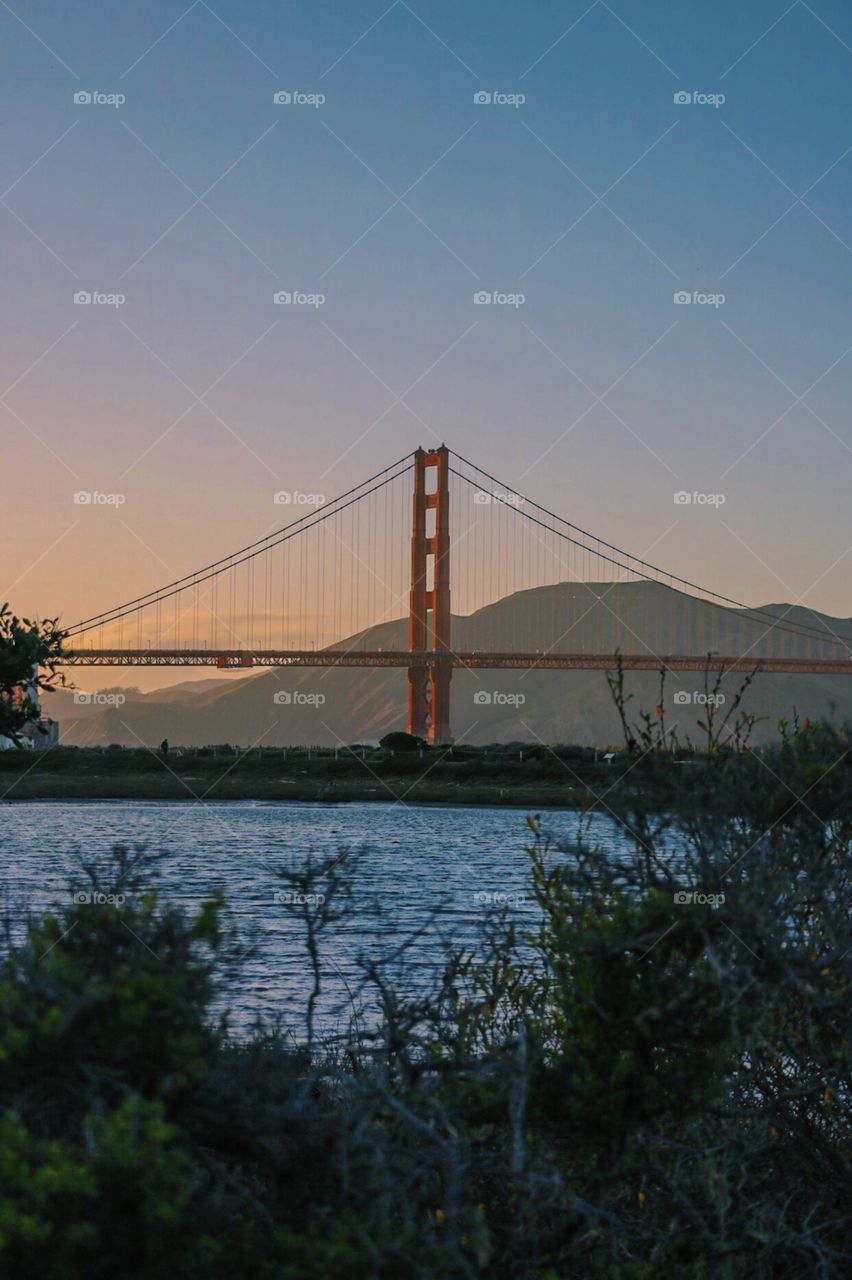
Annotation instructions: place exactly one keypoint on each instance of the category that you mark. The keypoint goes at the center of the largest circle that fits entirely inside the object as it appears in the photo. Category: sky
(582, 164)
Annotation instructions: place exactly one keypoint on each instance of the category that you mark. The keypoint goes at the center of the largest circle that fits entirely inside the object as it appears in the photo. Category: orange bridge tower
(429, 607)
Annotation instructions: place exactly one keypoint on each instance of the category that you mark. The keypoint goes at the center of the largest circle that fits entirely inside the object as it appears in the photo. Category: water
(426, 877)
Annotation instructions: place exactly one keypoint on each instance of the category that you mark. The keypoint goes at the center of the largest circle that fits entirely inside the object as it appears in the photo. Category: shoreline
(543, 778)
(438, 798)
(521, 806)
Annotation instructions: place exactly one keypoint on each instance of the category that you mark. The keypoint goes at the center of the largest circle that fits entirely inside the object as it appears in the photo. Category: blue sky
(398, 198)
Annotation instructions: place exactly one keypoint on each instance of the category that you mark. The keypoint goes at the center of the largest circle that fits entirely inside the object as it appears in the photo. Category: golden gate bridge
(352, 566)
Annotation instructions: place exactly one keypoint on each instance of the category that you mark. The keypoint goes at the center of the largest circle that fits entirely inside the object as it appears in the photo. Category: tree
(402, 742)
(29, 654)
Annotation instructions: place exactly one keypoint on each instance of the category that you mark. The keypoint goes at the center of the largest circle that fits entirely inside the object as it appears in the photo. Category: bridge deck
(236, 659)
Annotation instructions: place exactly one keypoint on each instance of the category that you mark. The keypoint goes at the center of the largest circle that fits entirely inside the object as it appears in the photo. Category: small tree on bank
(400, 741)
(29, 654)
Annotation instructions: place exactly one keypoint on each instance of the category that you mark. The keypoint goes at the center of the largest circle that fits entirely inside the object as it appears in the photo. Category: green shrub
(632, 1086)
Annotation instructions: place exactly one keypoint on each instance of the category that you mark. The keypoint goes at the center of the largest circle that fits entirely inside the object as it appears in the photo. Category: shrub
(403, 742)
(637, 1085)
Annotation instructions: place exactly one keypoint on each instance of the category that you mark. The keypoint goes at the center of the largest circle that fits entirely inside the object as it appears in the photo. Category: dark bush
(403, 742)
(653, 1081)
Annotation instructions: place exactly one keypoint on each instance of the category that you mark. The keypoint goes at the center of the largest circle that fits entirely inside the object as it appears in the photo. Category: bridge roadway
(244, 659)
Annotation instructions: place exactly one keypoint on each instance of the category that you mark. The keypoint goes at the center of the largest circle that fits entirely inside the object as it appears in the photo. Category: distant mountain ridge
(328, 707)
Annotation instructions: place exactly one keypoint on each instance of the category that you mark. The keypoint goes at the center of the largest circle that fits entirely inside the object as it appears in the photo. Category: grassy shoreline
(53, 787)
(525, 801)
(536, 778)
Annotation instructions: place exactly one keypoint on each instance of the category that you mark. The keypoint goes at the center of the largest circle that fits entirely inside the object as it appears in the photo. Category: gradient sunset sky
(598, 198)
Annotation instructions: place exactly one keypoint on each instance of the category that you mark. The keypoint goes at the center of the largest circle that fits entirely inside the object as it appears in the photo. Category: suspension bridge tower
(429, 607)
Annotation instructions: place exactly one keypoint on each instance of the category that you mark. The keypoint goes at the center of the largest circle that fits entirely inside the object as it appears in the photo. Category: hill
(328, 707)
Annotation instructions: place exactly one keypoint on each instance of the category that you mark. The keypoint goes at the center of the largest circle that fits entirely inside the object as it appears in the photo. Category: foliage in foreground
(644, 1087)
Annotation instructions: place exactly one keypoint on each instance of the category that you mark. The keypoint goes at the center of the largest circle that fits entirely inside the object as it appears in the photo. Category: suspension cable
(224, 565)
(797, 628)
